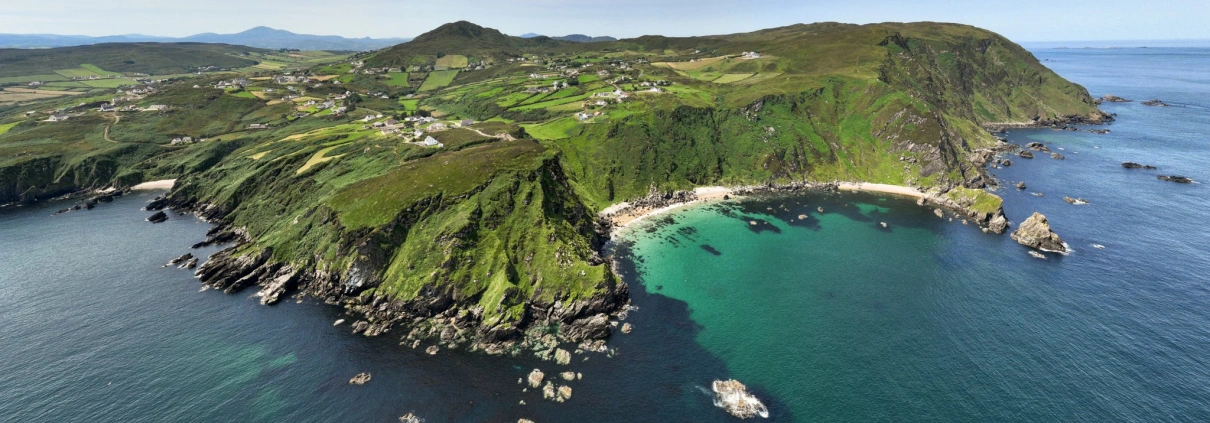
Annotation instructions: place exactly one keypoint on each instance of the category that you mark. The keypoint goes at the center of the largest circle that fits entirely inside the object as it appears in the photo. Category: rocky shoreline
(550, 331)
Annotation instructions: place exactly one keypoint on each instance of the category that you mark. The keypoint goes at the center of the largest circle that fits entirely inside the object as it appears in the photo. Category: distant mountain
(581, 38)
(575, 38)
(260, 37)
(462, 38)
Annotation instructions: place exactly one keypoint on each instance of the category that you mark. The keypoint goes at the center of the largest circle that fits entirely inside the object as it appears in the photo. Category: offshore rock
(1108, 98)
(183, 258)
(1025, 154)
(733, 396)
(1057, 156)
(1035, 233)
(535, 378)
(360, 379)
(158, 217)
(998, 224)
(159, 203)
(1155, 103)
(1177, 179)
(192, 263)
(1133, 165)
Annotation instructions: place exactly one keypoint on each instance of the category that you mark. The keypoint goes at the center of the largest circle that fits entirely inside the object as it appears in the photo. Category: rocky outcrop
(360, 379)
(1175, 178)
(732, 396)
(181, 259)
(1037, 146)
(158, 217)
(1155, 103)
(1109, 98)
(1133, 165)
(282, 283)
(1035, 233)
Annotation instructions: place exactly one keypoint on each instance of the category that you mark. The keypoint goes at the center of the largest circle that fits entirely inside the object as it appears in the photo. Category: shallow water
(835, 318)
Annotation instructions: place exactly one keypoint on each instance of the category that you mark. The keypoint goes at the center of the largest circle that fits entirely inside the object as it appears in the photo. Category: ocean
(832, 318)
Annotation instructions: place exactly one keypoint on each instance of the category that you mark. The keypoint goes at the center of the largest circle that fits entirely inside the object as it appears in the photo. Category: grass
(453, 61)
(317, 158)
(376, 201)
(438, 80)
(554, 130)
(410, 105)
(5, 127)
(732, 77)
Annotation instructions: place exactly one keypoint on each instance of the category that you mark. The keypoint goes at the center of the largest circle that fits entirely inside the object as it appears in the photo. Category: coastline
(622, 216)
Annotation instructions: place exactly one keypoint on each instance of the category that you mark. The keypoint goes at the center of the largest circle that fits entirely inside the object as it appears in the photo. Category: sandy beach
(880, 188)
(623, 215)
(161, 184)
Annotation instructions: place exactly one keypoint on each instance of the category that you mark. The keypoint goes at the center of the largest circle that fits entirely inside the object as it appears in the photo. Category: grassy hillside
(148, 58)
(495, 228)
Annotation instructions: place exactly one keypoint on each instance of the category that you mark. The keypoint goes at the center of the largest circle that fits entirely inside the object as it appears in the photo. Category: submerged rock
(1177, 179)
(1133, 165)
(360, 379)
(1035, 233)
(733, 396)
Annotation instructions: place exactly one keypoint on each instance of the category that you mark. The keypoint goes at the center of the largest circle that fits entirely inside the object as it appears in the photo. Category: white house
(432, 142)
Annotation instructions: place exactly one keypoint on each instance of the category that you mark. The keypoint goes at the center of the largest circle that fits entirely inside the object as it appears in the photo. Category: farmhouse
(58, 117)
(432, 142)
(467, 122)
(258, 126)
(106, 108)
(155, 108)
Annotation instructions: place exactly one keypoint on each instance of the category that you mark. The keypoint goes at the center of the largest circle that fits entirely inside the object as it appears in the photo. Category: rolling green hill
(148, 58)
(490, 241)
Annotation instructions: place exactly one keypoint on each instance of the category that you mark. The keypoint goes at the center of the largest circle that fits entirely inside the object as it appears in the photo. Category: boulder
(568, 376)
(360, 379)
(1057, 156)
(563, 394)
(1021, 185)
(535, 378)
(1035, 233)
(158, 217)
(562, 357)
(626, 327)
(1006, 163)
(1025, 154)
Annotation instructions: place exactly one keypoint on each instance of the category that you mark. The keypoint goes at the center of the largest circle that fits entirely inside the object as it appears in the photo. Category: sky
(1020, 20)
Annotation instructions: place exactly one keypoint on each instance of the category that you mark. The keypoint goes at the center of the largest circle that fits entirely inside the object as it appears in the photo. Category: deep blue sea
(832, 319)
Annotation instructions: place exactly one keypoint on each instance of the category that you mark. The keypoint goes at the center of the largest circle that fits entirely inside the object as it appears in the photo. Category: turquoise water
(831, 319)
(842, 320)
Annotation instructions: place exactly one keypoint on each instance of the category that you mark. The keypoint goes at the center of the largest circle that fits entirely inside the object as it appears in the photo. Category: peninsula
(446, 190)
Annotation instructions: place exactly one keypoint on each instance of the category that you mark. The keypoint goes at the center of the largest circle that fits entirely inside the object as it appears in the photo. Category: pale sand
(161, 184)
(880, 188)
(624, 216)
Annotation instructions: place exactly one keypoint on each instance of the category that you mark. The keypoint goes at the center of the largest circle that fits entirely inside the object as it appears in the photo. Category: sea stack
(1035, 233)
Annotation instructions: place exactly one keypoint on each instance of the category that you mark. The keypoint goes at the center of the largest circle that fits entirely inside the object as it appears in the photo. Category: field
(453, 61)
(732, 77)
(21, 95)
(438, 80)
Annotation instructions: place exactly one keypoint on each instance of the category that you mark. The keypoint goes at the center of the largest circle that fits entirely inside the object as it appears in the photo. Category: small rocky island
(733, 396)
(1035, 233)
